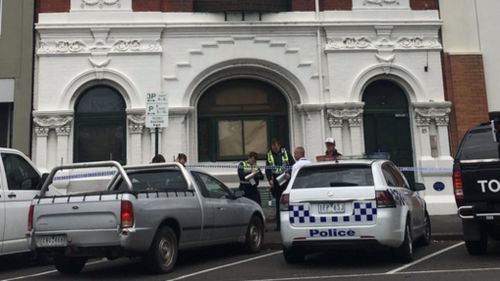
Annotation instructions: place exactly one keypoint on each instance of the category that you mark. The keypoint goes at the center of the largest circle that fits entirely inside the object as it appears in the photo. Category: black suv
(476, 182)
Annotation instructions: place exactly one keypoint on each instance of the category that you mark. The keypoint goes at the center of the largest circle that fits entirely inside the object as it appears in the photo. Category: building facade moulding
(365, 43)
(119, 46)
(381, 4)
(339, 112)
(60, 121)
(136, 120)
(101, 5)
(426, 112)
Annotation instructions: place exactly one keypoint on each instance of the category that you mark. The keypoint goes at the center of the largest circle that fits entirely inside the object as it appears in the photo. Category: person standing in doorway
(250, 175)
(278, 170)
(331, 152)
(300, 159)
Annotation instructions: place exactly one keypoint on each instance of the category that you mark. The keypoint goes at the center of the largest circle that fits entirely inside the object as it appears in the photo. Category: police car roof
(349, 162)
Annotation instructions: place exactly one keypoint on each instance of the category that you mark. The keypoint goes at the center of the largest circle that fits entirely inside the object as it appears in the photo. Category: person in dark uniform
(250, 175)
(278, 166)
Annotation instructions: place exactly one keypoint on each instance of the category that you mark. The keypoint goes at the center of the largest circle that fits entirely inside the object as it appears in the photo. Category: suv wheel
(478, 247)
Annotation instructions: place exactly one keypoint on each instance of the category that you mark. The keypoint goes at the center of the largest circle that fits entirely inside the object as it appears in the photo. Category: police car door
(336, 194)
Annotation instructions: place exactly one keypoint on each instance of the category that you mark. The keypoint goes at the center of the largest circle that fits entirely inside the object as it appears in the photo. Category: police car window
(389, 176)
(333, 176)
(478, 144)
(398, 178)
(156, 180)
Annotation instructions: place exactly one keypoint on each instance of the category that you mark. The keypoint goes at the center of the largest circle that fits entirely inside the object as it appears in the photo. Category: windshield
(333, 176)
(478, 144)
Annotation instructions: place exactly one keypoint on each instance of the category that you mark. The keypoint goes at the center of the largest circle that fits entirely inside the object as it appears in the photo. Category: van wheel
(69, 265)
(293, 255)
(255, 235)
(405, 252)
(162, 255)
(425, 240)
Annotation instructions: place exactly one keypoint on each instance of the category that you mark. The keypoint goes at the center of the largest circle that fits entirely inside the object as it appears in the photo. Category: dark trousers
(277, 191)
(251, 192)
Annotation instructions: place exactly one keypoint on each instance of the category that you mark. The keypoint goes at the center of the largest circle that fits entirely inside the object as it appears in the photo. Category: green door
(387, 124)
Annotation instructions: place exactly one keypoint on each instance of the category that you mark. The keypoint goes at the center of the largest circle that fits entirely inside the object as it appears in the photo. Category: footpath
(443, 227)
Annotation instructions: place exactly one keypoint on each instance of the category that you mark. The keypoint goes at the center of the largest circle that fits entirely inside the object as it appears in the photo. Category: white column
(356, 139)
(62, 144)
(135, 129)
(41, 146)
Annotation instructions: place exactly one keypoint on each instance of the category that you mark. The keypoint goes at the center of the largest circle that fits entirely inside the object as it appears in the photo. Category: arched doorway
(387, 124)
(238, 116)
(100, 130)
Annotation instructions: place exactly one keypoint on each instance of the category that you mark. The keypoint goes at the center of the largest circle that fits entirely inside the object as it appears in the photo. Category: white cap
(330, 140)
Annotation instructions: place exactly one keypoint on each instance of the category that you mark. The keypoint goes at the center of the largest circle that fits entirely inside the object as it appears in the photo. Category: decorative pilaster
(427, 113)
(352, 114)
(135, 128)
(43, 123)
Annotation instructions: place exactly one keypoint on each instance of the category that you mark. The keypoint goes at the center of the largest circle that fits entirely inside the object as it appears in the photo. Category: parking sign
(156, 110)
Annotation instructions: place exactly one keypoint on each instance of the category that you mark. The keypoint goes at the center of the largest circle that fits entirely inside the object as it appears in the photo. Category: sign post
(156, 113)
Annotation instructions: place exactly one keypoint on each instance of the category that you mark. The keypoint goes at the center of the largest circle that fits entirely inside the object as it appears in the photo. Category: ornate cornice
(351, 43)
(71, 47)
(52, 121)
(136, 122)
(381, 2)
(100, 3)
(427, 112)
(350, 112)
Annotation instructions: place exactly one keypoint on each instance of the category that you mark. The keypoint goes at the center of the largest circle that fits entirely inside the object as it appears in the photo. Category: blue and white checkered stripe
(363, 213)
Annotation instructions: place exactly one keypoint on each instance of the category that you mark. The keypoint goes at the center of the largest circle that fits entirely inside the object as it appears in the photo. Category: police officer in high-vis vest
(250, 175)
(279, 162)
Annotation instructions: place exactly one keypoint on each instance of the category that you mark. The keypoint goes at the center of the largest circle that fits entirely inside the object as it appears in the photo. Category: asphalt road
(442, 260)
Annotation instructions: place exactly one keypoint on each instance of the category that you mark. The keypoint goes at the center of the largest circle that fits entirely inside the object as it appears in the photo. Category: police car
(353, 203)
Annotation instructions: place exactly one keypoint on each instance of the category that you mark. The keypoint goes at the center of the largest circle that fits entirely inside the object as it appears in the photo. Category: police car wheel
(255, 235)
(405, 251)
(425, 240)
(293, 255)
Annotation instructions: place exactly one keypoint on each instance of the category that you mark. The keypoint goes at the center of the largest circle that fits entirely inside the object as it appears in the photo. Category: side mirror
(418, 186)
(237, 194)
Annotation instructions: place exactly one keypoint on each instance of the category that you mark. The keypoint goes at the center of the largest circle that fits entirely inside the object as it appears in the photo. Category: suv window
(478, 144)
(334, 176)
(20, 174)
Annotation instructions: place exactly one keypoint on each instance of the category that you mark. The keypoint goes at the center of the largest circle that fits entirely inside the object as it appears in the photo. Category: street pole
(156, 141)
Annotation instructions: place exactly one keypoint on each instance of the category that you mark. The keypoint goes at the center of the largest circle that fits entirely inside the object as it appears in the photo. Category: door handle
(12, 195)
(220, 208)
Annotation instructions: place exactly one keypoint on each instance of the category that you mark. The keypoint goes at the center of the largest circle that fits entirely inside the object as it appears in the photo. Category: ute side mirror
(418, 186)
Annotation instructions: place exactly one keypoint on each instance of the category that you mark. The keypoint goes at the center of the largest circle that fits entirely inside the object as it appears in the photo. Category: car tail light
(127, 214)
(458, 186)
(385, 199)
(284, 201)
(30, 217)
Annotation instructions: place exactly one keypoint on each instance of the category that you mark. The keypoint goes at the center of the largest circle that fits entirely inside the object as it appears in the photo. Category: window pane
(100, 99)
(255, 136)
(20, 174)
(108, 144)
(230, 138)
(5, 124)
(334, 176)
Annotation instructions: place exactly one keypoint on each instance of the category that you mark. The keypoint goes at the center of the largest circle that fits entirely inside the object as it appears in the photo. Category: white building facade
(370, 77)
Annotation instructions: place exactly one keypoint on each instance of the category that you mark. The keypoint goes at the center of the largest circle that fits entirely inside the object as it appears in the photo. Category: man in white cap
(331, 152)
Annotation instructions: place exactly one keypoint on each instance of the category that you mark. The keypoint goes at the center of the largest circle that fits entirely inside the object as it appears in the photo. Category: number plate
(331, 208)
(51, 241)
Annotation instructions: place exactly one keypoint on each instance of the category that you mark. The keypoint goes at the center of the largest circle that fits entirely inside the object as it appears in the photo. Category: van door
(23, 183)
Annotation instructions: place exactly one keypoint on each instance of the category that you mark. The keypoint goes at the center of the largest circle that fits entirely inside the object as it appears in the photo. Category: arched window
(100, 126)
(238, 116)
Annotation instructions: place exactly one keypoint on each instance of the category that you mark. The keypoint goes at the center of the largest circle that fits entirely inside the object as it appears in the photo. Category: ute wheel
(69, 265)
(162, 255)
(405, 252)
(255, 235)
(425, 240)
(293, 255)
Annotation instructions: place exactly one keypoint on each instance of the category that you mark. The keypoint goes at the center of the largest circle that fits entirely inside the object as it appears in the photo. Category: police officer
(279, 162)
(249, 175)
